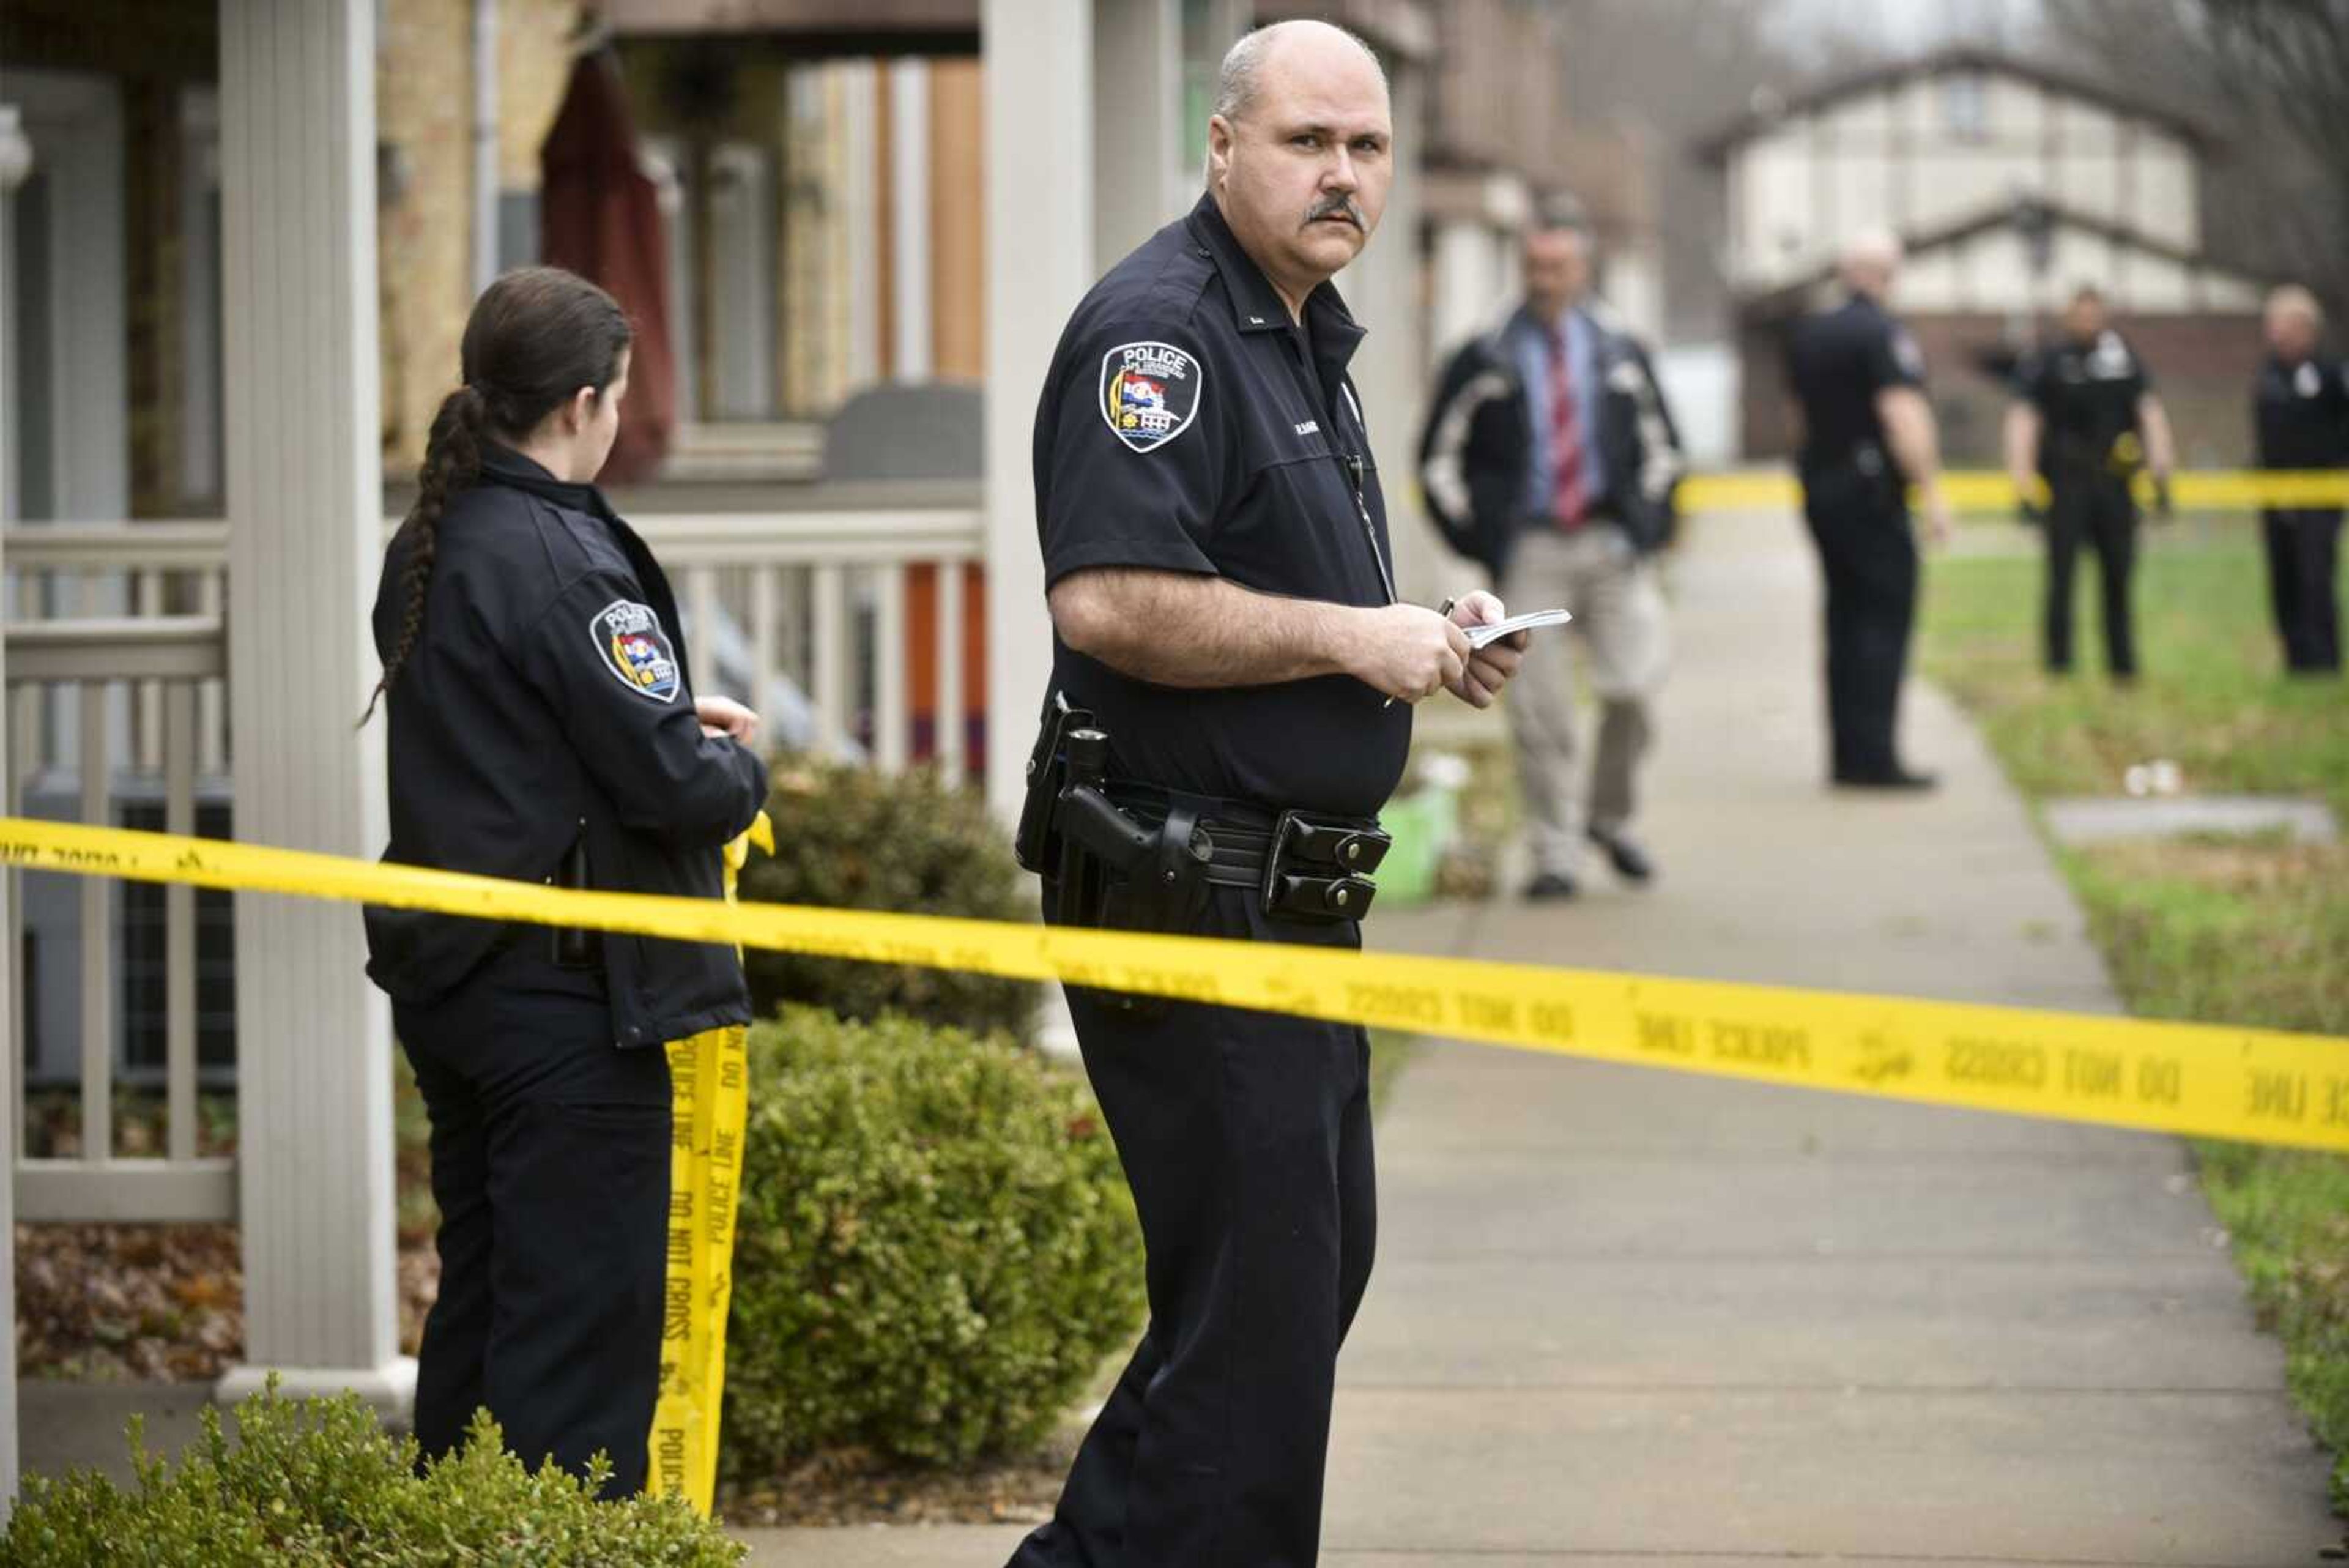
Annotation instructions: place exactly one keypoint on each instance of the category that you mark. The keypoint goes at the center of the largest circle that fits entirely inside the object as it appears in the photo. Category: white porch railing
(88, 661)
(117, 699)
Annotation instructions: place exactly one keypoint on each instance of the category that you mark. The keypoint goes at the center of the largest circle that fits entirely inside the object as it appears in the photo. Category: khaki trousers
(1619, 616)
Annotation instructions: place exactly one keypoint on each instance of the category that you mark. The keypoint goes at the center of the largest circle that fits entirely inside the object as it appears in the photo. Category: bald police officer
(1867, 435)
(1230, 706)
(2299, 407)
(2084, 415)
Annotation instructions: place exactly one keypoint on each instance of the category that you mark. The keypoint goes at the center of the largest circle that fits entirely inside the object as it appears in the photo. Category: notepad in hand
(1484, 636)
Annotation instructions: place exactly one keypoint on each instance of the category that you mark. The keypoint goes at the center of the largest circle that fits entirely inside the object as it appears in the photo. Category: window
(1964, 107)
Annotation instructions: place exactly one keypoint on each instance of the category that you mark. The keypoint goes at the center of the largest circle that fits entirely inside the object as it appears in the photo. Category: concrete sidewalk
(1625, 1316)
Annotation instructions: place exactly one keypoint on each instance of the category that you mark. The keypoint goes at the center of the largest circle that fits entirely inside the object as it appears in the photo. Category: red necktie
(1567, 502)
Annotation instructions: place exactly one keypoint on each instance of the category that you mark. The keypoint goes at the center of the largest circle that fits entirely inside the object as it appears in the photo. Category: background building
(2011, 185)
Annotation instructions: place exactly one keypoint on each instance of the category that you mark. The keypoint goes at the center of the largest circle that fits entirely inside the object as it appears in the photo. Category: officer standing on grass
(1215, 552)
(1868, 434)
(2300, 405)
(2086, 417)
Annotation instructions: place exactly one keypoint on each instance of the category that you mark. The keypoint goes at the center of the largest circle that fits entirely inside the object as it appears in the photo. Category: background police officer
(2300, 404)
(1215, 545)
(2084, 415)
(1868, 432)
(542, 728)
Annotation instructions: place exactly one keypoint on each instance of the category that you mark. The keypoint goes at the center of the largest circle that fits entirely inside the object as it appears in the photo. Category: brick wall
(424, 109)
(423, 106)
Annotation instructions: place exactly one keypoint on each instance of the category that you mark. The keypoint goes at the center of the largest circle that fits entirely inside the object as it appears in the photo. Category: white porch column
(1039, 64)
(1138, 57)
(15, 162)
(314, 1069)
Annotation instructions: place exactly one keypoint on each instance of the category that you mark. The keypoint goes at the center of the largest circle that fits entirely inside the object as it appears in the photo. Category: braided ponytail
(452, 461)
(537, 337)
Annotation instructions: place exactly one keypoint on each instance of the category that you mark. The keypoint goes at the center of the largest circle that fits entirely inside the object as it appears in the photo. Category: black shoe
(1630, 861)
(1894, 778)
(1549, 887)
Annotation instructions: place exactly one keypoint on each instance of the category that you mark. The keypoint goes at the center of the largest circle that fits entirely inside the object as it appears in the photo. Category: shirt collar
(1255, 304)
(507, 466)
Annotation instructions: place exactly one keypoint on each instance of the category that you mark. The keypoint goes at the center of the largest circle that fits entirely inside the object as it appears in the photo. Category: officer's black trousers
(2098, 511)
(2304, 555)
(1247, 1141)
(551, 1165)
(1869, 559)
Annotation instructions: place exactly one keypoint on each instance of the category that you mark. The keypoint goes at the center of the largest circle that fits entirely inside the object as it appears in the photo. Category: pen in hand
(1442, 609)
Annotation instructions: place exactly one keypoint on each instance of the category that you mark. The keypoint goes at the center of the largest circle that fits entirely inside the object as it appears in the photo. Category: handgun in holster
(1101, 866)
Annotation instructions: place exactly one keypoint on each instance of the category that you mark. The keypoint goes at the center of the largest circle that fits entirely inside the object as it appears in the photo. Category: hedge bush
(852, 838)
(936, 1247)
(318, 1483)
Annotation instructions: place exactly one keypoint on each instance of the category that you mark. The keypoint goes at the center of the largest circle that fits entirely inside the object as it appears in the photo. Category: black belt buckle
(1319, 868)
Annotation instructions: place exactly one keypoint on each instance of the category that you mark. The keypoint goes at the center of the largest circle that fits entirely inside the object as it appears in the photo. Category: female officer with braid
(544, 728)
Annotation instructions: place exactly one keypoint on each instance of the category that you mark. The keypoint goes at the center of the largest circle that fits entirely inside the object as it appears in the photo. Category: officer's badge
(629, 641)
(1150, 392)
(2111, 360)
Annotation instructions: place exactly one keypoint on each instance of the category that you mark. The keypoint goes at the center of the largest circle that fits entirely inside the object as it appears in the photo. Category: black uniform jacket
(1478, 443)
(546, 699)
(2087, 395)
(1838, 361)
(2301, 412)
(1187, 425)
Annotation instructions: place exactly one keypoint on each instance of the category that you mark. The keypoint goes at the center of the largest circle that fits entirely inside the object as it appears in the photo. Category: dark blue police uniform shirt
(2301, 412)
(1838, 361)
(1189, 426)
(2087, 395)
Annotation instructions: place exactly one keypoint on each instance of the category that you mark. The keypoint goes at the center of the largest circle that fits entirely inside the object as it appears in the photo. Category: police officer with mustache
(1222, 729)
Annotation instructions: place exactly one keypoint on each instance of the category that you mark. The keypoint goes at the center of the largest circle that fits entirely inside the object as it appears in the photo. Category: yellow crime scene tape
(709, 1089)
(2254, 1084)
(1980, 491)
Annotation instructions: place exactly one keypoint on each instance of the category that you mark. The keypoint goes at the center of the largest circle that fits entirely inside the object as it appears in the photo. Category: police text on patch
(1150, 392)
(631, 645)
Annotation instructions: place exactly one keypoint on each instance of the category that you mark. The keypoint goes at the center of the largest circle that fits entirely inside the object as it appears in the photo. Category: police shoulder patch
(1150, 392)
(1904, 350)
(630, 642)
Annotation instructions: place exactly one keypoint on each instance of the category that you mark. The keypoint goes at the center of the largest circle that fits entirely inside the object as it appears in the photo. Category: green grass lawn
(2209, 697)
(2236, 930)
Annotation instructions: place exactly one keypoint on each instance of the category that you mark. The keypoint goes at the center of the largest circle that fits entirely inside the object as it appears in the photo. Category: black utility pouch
(1318, 868)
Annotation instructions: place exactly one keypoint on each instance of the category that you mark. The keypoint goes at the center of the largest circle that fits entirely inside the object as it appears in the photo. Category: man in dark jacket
(1550, 458)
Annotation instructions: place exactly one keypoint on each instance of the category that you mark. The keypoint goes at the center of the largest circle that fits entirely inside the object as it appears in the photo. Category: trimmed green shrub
(853, 838)
(318, 1483)
(936, 1247)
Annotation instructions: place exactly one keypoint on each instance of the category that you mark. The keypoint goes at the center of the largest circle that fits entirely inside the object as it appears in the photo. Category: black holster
(574, 947)
(1102, 867)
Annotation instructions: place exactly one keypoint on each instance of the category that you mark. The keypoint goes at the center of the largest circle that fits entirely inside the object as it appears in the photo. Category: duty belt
(1140, 857)
(1301, 865)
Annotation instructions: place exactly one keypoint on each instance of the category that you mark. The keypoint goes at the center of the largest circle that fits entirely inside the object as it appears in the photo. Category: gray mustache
(1336, 207)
